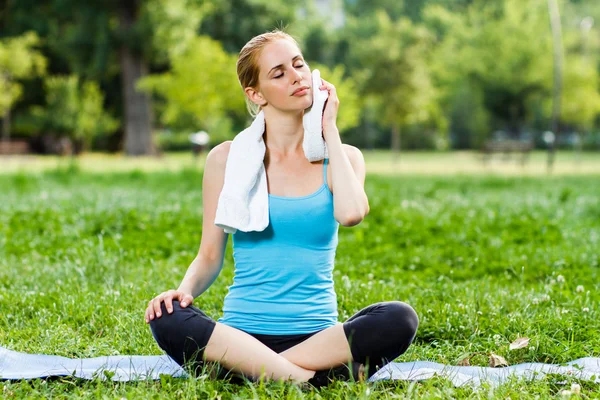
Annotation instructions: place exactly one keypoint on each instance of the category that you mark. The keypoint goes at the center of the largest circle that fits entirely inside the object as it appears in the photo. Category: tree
(200, 89)
(395, 9)
(134, 66)
(234, 22)
(113, 43)
(501, 53)
(174, 25)
(73, 110)
(393, 71)
(580, 101)
(19, 59)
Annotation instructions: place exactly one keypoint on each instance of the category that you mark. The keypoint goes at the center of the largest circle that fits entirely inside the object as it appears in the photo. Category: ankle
(306, 376)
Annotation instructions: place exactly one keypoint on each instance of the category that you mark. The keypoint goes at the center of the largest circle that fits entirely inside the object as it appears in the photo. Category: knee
(405, 321)
(163, 327)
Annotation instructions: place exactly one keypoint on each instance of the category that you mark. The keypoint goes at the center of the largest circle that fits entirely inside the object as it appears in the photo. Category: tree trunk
(137, 110)
(395, 143)
(6, 126)
(370, 134)
(557, 87)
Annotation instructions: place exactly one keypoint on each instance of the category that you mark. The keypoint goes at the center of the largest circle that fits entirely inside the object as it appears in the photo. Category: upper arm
(358, 162)
(214, 239)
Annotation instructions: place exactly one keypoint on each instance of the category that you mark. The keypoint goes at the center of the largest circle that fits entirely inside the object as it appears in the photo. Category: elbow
(353, 219)
(351, 222)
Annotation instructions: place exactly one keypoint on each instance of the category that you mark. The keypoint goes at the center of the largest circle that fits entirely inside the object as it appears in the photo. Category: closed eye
(296, 66)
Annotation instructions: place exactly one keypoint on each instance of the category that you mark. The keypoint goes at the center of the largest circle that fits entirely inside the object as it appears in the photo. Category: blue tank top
(283, 280)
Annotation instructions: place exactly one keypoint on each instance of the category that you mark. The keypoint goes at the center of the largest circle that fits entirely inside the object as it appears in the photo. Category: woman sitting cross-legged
(280, 315)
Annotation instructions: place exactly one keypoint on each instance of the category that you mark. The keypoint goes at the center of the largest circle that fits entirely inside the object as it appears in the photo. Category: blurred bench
(506, 148)
(14, 147)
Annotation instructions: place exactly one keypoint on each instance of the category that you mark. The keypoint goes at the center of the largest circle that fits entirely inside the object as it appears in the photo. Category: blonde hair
(247, 63)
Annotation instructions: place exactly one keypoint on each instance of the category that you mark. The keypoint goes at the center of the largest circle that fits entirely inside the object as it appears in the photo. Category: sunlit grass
(483, 259)
(378, 162)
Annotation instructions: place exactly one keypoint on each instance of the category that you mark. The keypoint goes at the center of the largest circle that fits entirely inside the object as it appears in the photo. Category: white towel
(244, 200)
(315, 148)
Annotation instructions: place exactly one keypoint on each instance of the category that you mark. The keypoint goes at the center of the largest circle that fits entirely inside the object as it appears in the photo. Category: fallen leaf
(465, 362)
(519, 343)
(497, 361)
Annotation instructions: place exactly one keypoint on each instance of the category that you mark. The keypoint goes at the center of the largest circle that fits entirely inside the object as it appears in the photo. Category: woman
(280, 315)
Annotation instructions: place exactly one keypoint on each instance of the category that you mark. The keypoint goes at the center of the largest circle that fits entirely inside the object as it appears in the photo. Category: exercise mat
(15, 365)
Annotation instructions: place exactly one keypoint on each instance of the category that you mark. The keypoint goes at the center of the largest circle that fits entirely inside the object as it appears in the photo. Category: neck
(284, 133)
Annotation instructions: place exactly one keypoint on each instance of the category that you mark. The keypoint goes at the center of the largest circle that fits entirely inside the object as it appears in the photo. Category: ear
(255, 96)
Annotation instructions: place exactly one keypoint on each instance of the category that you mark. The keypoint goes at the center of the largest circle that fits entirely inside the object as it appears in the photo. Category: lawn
(485, 257)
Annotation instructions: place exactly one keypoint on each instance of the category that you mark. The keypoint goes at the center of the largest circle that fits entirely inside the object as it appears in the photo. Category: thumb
(186, 300)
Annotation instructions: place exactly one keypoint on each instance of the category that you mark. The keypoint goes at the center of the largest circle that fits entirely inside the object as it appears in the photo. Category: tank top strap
(325, 170)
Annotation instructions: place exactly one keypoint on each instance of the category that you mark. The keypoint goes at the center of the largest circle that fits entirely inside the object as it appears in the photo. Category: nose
(296, 75)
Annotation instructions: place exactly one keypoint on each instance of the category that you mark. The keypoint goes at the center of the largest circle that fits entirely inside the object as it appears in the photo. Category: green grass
(483, 259)
(379, 161)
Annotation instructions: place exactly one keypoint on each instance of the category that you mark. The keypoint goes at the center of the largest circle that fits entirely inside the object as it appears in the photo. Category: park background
(102, 208)
(140, 76)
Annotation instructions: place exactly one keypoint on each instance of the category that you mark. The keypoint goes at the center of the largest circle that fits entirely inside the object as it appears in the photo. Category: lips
(300, 89)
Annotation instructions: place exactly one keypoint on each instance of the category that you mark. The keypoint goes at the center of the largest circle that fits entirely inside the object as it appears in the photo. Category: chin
(307, 102)
(297, 105)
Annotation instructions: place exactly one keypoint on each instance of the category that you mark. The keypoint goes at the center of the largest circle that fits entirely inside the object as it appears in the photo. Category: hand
(185, 299)
(331, 108)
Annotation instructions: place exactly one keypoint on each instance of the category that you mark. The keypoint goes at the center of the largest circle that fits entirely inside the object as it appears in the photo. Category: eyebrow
(281, 65)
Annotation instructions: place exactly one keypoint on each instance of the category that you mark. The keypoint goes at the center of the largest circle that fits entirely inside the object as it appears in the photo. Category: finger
(169, 303)
(149, 313)
(182, 297)
(332, 94)
(156, 303)
(150, 310)
(187, 299)
(330, 89)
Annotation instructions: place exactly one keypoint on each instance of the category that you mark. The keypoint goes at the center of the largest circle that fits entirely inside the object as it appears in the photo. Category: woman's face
(284, 81)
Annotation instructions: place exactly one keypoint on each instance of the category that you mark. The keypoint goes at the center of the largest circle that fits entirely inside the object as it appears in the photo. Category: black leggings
(377, 334)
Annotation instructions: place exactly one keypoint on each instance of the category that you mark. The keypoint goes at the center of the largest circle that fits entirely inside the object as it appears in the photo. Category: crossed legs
(377, 334)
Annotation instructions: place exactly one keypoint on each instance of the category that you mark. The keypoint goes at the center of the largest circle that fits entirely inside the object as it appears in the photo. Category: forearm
(201, 273)
(350, 201)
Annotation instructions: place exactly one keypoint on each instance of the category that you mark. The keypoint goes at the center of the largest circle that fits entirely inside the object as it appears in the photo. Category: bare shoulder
(357, 161)
(213, 237)
(354, 154)
(217, 156)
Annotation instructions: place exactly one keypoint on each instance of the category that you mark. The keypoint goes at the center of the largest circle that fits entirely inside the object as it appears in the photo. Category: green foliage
(73, 109)
(318, 45)
(394, 72)
(174, 24)
(92, 120)
(201, 88)
(19, 59)
(347, 91)
(470, 118)
(580, 103)
(234, 22)
(428, 67)
(395, 9)
(499, 55)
